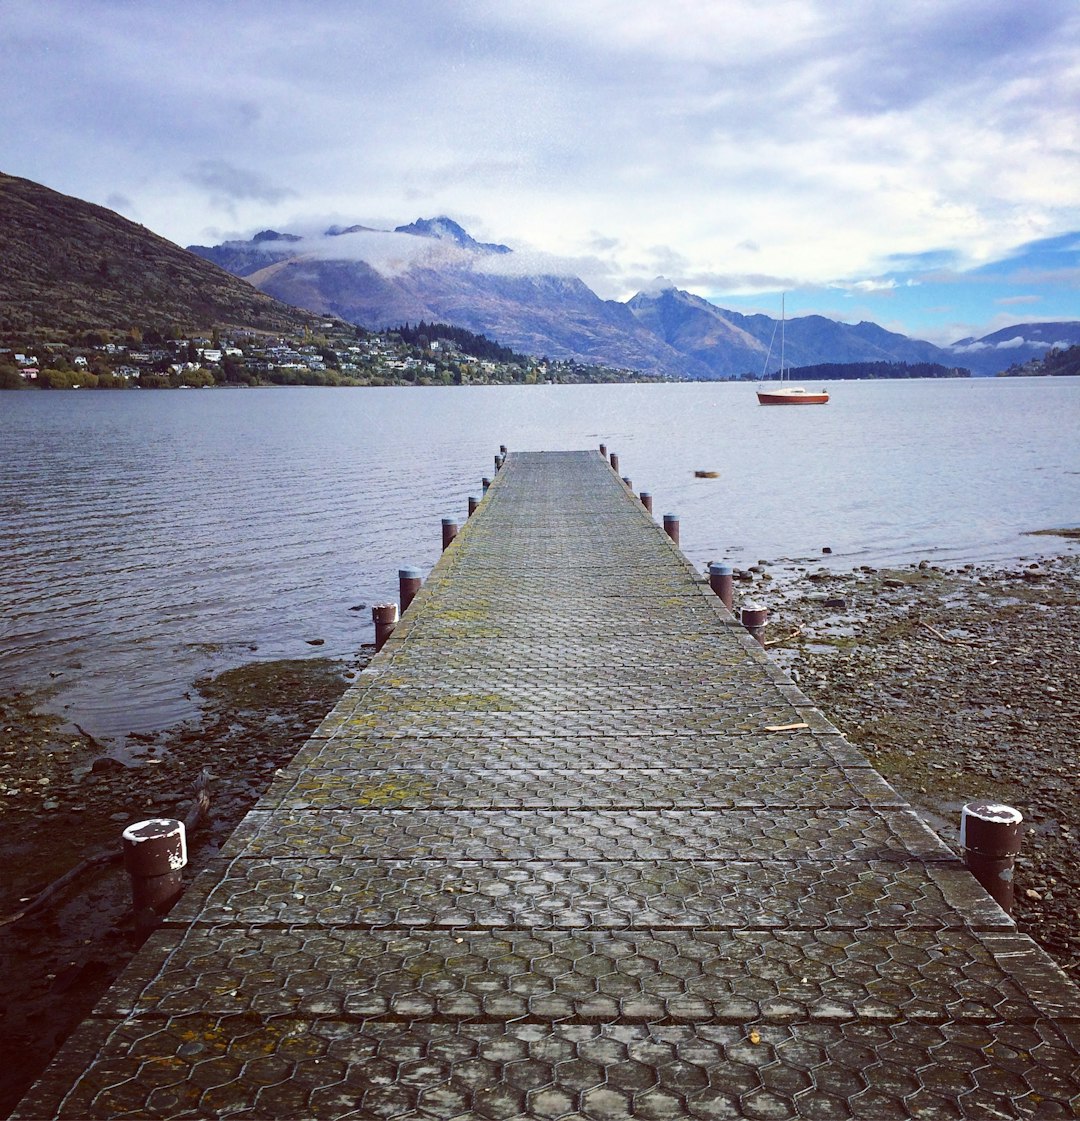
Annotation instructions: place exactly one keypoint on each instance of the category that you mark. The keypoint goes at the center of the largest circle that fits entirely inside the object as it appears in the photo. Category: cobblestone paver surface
(572, 847)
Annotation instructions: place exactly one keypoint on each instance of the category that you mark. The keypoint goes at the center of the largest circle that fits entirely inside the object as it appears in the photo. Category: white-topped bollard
(754, 617)
(449, 531)
(385, 618)
(990, 835)
(155, 855)
(671, 526)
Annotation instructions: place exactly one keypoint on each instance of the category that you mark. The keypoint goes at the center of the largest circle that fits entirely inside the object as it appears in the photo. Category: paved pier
(549, 858)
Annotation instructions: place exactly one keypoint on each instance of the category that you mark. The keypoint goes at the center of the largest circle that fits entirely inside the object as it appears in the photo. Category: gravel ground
(960, 684)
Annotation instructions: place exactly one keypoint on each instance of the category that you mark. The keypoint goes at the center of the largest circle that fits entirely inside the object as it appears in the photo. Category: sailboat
(782, 393)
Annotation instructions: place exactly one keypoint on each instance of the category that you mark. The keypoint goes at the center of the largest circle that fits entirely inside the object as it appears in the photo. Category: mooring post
(990, 835)
(628, 482)
(473, 503)
(409, 581)
(485, 483)
(155, 853)
(449, 530)
(754, 617)
(614, 462)
(502, 450)
(671, 526)
(646, 500)
(721, 581)
(498, 463)
(385, 617)
(603, 451)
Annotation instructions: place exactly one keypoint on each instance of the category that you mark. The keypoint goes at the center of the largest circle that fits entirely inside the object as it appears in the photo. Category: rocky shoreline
(960, 683)
(62, 798)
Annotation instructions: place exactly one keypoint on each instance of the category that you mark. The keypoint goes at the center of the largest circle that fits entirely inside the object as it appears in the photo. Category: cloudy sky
(916, 163)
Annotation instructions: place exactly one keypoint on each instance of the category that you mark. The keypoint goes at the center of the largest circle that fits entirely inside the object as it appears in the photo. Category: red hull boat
(782, 393)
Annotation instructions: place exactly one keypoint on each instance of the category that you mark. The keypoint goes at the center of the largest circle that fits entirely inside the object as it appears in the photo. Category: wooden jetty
(573, 847)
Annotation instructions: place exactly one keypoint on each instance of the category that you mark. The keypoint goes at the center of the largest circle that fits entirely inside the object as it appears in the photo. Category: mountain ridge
(479, 285)
(66, 264)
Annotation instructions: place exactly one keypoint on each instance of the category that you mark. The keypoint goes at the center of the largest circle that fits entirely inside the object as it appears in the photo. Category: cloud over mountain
(434, 269)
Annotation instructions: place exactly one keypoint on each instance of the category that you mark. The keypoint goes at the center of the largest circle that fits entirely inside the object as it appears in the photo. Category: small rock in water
(839, 602)
(358, 607)
(826, 549)
(315, 641)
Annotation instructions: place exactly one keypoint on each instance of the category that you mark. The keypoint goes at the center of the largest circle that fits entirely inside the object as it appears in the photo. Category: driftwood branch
(46, 895)
(200, 807)
(945, 638)
(784, 638)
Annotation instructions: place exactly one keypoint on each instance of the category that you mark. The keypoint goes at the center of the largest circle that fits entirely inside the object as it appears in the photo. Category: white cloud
(726, 143)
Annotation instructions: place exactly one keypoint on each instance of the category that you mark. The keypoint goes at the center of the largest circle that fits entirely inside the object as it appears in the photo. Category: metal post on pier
(155, 854)
(721, 580)
(754, 618)
(449, 531)
(409, 581)
(646, 500)
(385, 617)
(990, 835)
(671, 526)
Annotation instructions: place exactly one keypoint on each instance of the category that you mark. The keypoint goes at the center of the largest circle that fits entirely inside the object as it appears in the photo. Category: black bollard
(155, 853)
(990, 835)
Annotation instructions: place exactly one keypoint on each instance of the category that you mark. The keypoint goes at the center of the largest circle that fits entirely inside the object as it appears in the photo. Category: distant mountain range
(68, 265)
(432, 269)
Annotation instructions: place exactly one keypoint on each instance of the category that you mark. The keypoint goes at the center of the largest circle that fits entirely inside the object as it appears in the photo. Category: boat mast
(782, 318)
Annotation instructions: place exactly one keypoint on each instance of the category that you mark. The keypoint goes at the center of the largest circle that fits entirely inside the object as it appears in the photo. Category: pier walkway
(555, 856)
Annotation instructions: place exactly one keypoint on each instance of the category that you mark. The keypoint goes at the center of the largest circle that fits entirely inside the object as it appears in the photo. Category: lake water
(147, 538)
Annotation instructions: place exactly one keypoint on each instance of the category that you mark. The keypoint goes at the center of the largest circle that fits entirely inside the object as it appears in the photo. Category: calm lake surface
(147, 538)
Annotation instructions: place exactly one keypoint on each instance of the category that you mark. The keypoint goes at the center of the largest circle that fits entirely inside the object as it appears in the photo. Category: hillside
(68, 265)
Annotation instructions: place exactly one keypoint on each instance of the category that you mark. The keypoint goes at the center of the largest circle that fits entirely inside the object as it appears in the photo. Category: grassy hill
(68, 265)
